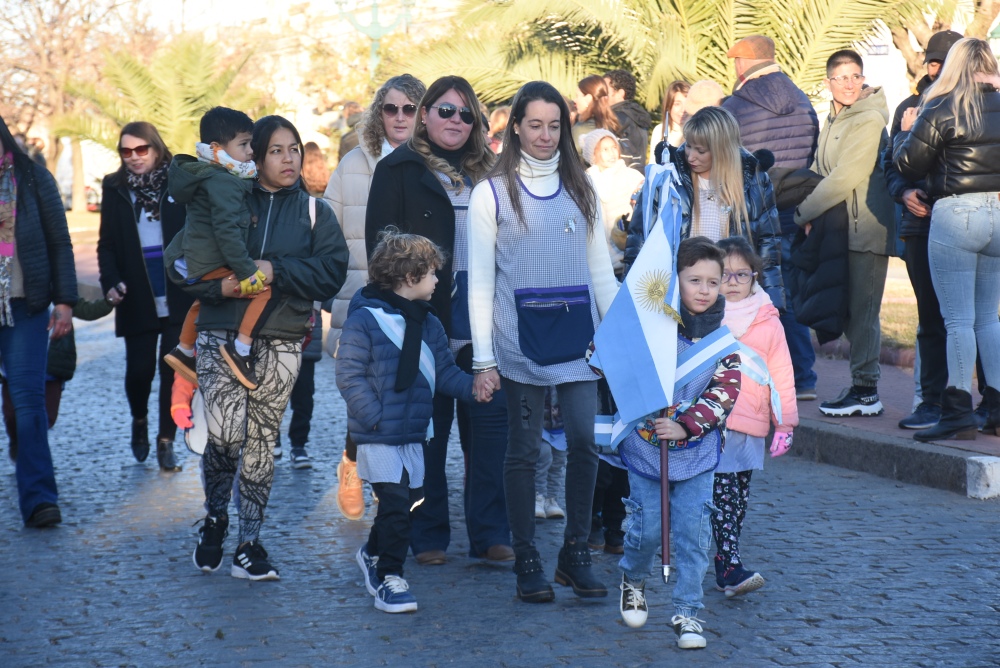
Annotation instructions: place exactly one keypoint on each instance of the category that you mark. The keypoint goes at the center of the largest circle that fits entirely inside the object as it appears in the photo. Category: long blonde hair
(478, 158)
(717, 130)
(967, 58)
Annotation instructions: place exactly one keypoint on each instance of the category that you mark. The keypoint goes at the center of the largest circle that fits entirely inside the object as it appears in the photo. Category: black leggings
(730, 495)
(141, 361)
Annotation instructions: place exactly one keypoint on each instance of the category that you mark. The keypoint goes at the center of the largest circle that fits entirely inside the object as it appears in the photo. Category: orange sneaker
(350, 493)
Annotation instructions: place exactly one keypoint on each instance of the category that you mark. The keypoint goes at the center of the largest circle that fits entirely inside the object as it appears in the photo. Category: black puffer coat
(819, 261)
(44, 249)
(909, 224)
(942, 146)
(763, 213)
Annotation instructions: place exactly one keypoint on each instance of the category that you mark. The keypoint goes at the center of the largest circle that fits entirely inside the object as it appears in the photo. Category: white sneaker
(539, 506)
(688, 630)
(552, 509)
(633, 602)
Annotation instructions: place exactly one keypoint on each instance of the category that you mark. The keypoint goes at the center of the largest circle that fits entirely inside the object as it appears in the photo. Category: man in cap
(914, 226)
(773, 113)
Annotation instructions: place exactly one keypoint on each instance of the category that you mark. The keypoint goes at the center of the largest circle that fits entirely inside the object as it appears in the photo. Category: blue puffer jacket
(759, 195)
(366, 377)
(774, 114)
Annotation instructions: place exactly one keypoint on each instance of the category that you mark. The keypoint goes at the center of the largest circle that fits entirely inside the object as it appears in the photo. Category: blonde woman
(953, 141)
(725, 191)
(423, 188)
(387, 123)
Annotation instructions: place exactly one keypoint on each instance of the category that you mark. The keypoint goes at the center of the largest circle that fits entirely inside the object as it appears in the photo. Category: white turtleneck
(541, 178)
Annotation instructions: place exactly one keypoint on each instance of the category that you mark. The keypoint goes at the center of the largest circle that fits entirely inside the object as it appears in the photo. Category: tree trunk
(79, 183)
(914, 60)
(986, 13)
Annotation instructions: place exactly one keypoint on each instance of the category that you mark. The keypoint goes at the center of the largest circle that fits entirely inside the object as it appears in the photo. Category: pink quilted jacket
(752, 414)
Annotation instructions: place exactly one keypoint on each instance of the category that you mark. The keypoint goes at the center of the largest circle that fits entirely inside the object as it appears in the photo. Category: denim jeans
(302, 404)
(550, 470)
(525, 404)
(931, 333)
(24, 351)
(141, 363)
(690, 528)
(797, 335)
(964, 249)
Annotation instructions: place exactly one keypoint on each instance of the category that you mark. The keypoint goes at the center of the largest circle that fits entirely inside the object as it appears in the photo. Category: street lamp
(375, 31)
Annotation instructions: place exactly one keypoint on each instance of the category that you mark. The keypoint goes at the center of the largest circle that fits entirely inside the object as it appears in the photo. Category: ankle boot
(140, 439)
(532, 587)
(573, 570)
(165, 455)
(991, 402)
(957, 420)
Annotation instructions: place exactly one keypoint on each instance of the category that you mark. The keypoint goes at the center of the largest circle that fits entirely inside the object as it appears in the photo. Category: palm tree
(500, 44)
(182, 81)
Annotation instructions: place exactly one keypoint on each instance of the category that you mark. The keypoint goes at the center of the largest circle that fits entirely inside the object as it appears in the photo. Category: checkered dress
(710, 216)
(550, 252)
(460, 252)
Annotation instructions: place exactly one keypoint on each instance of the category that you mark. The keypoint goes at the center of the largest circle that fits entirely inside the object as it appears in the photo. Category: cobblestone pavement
(860, 571)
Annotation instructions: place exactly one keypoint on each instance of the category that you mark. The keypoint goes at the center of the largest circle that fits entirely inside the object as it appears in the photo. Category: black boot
(532, 587)
(573, 570)
(991, 402)
(140, 439)
(165, 454)
(957, 420)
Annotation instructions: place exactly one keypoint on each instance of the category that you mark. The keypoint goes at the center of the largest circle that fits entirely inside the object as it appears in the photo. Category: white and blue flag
(636, 343)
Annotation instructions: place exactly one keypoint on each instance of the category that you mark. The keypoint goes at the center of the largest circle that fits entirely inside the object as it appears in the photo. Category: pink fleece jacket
(765, 335)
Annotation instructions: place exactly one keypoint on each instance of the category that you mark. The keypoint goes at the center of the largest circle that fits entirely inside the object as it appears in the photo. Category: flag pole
(665, 510)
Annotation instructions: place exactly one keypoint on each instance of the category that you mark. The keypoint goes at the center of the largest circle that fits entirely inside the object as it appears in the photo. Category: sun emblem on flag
(652, 290)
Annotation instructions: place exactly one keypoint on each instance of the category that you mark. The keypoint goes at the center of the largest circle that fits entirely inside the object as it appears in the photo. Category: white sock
(242, 348)
(187, 351)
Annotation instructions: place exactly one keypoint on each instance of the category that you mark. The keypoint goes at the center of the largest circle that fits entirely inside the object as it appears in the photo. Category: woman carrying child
(540, 279)
(753, 320)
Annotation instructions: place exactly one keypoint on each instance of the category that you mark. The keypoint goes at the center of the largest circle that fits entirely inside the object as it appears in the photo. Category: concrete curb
(898, 458)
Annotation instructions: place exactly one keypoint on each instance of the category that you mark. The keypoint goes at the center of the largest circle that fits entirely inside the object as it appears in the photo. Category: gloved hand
(181, 414)
(781, 443)
(251, 285)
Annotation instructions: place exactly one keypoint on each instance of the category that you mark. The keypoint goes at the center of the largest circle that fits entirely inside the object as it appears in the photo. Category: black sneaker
(276, 451)
(207, 556)
(925, 416)
(982, 414)
(182, 364)
(853, 401)
(250, 563)
(44, 515)
(300, 458)
(239, 364)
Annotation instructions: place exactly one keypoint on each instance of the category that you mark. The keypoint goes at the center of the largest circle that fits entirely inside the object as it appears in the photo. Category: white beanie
(592, 139)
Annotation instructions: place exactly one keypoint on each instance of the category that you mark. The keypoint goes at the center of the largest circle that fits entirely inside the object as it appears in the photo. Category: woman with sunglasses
(540, 279)
(36, 270)
(387, 123)
(138, 220)
(423, 188)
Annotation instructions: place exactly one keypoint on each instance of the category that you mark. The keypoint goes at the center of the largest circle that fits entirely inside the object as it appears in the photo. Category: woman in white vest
(540, 279)
(386, 124)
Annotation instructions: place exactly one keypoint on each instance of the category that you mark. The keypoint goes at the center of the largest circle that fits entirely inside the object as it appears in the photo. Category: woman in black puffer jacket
(953, 139)
(707, 164)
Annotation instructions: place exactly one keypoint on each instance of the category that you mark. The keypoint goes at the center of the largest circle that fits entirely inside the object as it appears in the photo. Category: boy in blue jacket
(393, 357)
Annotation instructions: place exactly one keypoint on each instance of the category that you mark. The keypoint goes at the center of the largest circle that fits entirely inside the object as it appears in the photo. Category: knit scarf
(8, 216)
(244, 170)
(148, 188)
(414, 313)
(699, 325)
(740, 315)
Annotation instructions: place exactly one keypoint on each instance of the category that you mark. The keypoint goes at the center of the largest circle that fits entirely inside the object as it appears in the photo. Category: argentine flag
(636, 343)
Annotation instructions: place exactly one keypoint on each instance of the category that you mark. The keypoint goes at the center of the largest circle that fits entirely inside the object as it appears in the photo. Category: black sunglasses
(448, 110)
(392, 109)
(140, 151)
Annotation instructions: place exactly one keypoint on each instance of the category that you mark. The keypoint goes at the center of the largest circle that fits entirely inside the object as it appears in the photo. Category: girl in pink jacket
(770, 397)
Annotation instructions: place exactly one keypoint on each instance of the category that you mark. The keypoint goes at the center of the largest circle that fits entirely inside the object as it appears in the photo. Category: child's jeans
(389, 539)
(550, 470)
(690, 529)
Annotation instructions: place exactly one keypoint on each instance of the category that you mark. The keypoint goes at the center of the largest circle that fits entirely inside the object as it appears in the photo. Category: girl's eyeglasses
(448, 110)
(392, 109)
(140, 151)
(742, 277)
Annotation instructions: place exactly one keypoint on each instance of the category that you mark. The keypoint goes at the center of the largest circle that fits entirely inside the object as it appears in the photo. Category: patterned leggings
(730, 495)
(244, 423)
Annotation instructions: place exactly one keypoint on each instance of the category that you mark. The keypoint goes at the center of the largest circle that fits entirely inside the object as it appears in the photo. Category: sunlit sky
(200, 14)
